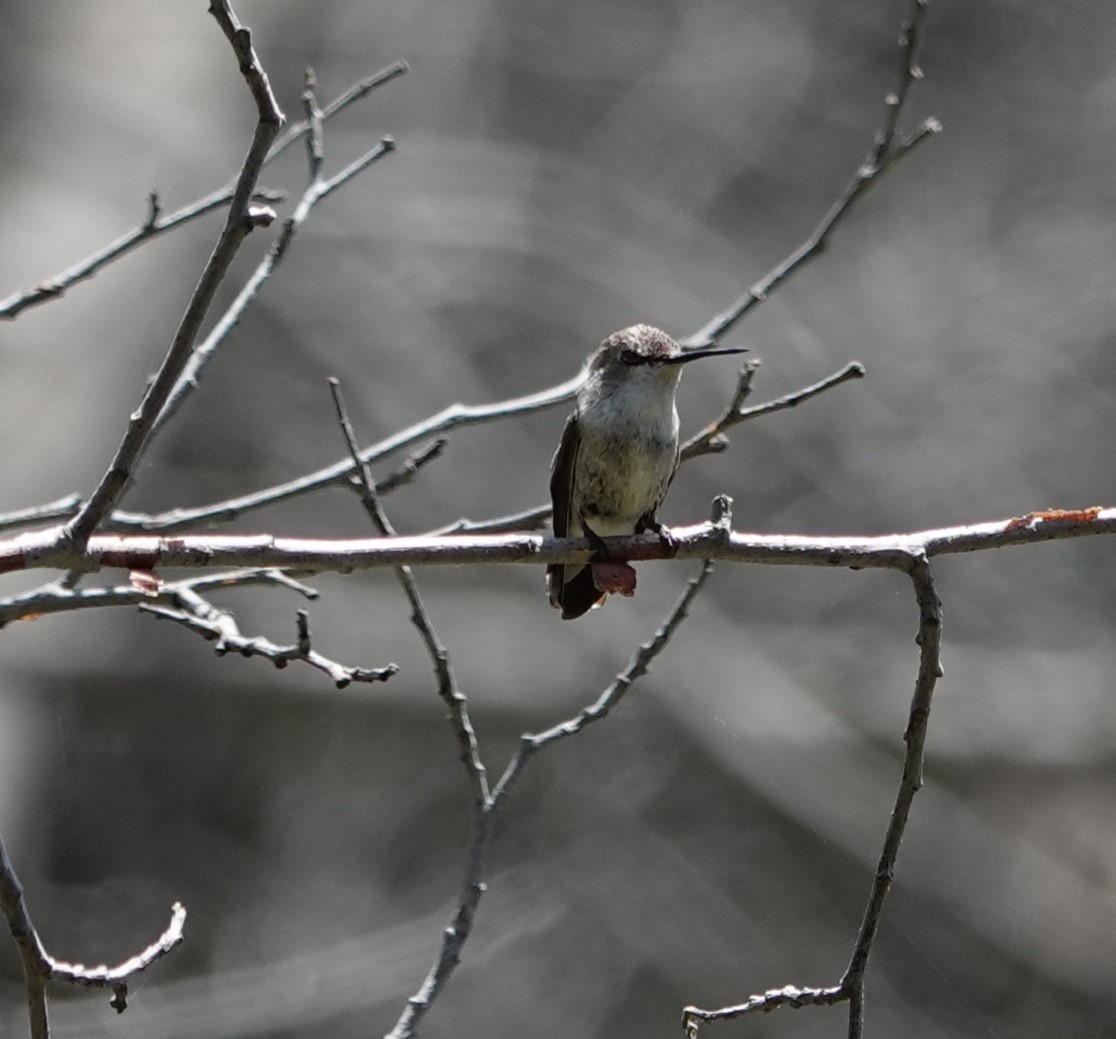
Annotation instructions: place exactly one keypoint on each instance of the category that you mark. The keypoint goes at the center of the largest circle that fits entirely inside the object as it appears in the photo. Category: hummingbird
(616, 458)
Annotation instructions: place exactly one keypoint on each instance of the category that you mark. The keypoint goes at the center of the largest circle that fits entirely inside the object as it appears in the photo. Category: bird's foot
(596, 542)
(666, 538)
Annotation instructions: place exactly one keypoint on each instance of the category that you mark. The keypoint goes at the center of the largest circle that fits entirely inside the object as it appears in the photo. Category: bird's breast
(625, 461)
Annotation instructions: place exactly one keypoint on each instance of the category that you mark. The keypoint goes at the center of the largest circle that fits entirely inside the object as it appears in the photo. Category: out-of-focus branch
(243, 216)
(63, 508)
(484, 820)
(39, 966)
(850, 989)
(887, 149)
(50, 549)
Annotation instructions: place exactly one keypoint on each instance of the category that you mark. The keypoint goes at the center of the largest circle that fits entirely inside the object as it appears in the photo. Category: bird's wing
(561, 476)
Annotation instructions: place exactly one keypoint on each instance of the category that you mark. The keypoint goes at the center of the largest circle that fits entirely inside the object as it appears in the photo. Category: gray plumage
(618, 453)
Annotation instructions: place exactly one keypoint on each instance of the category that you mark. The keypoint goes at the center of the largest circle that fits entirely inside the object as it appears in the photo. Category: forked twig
(197, 614)
(243, 216)
(158, 224)
(317, 189)
(484, 818)
(39, 966)
(850, 989)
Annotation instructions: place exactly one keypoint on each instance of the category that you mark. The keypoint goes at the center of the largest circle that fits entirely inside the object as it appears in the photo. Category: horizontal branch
(51, 549)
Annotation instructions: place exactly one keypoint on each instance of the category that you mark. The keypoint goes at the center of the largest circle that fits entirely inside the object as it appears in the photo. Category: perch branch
(51, 549)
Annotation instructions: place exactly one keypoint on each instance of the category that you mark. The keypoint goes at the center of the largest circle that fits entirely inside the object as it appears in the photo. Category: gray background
(567, 168)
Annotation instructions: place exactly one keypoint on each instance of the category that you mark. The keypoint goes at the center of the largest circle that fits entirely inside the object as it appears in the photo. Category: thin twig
(39, 966)
(886, 151)
(453, 417)
(484, 819)
(448, 688)
(157, 224)
(195, 612)
(531, 743)
(243, 216)
(528, 519)
(712, 439)
(850, 989)
(63, 508)
(61, 597)
(409, 468)
(317, 190)
(929, 641)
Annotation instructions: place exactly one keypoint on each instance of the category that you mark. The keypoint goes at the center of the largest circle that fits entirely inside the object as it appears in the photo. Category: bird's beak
(693, 355)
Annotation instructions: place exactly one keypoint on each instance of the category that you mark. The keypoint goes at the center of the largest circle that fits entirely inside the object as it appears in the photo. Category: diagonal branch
(712, 439)
(317, 189)
(887, 149)
(484, 819)
(448, 689)
(243, 216)
(455, 416)
(157, 224)
(531, 743)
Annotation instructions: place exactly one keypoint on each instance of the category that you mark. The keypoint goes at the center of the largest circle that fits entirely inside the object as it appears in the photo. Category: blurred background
(566, 169)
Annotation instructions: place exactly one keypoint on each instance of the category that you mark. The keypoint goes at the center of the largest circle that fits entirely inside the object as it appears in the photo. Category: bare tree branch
(39, 966)
(200, 615)
(243, 216)
(850, 989)
(712, 439)
(317, 189)
(886, 151)
(531, 743)
(448, 689)
(60, 597)
(484, 819)
(63, 508)
(157, 224)
(453, 417)
(50, 548)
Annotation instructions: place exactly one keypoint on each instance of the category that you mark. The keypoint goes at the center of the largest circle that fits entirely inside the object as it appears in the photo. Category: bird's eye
(631, 356)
